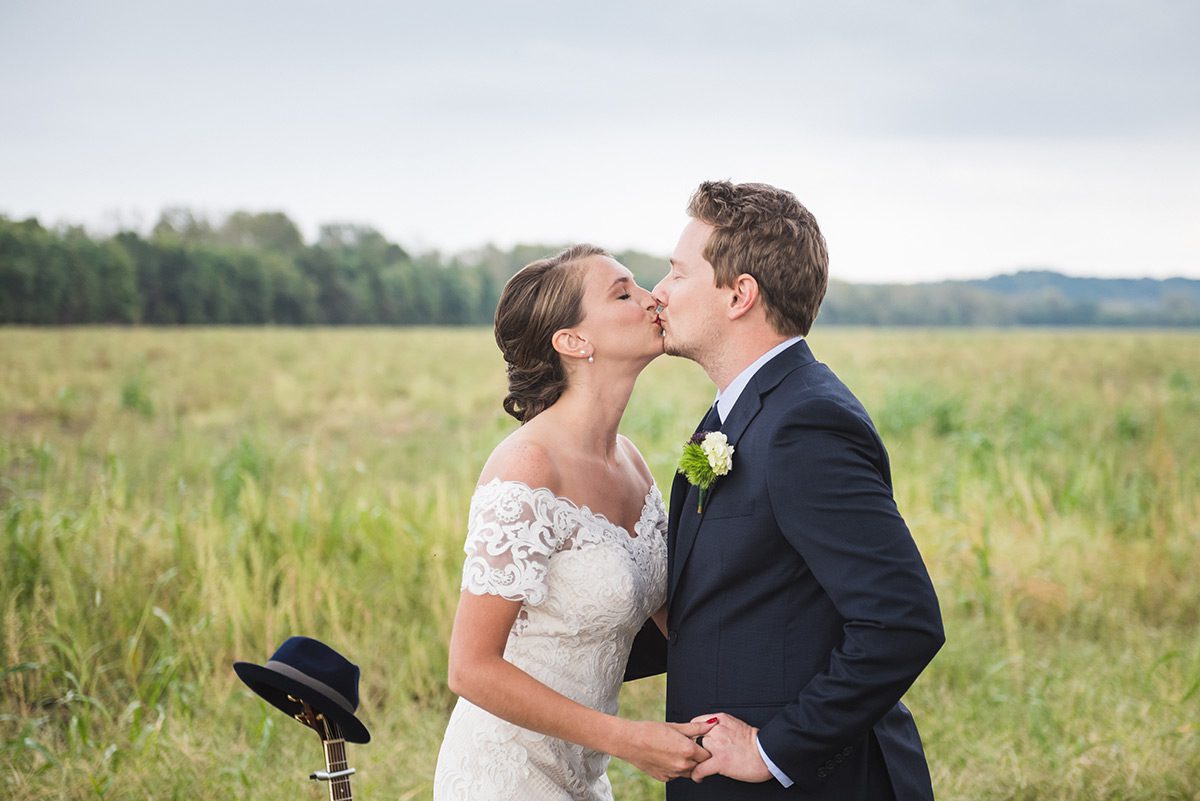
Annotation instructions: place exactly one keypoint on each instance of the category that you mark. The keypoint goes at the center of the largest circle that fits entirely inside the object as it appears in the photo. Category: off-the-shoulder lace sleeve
(659, 510)
(511, 534)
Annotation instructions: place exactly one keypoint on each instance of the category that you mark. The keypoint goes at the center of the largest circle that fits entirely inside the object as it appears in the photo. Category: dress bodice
(587, 585)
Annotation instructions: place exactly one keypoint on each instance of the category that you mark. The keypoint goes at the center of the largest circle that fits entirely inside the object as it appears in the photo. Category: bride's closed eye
(626, 296)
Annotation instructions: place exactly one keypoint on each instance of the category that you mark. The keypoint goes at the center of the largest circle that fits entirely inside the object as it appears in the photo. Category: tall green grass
(173, 500)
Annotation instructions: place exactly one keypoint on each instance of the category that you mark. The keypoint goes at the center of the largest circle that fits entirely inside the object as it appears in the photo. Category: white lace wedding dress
(587, 586)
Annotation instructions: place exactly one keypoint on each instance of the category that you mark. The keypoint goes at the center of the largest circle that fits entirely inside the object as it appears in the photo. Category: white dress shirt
(726, 398)
(729, 396)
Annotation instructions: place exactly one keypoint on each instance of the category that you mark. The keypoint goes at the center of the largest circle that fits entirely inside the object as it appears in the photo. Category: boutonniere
(706, 457)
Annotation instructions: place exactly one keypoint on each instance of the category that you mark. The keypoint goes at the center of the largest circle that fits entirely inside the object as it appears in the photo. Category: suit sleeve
(830, 496)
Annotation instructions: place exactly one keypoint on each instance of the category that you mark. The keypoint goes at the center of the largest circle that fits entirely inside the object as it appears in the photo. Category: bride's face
(619, 317)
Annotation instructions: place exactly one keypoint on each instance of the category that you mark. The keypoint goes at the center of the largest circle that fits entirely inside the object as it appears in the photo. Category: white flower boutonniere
(706, 457)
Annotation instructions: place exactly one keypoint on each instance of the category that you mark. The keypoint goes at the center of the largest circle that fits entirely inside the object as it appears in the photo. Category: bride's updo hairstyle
(541, 298)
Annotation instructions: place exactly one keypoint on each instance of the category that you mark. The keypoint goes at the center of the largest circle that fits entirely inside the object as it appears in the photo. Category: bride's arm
(479, 673)
(660, 619)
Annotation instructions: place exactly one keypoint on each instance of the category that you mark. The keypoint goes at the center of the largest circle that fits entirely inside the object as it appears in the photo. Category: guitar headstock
(310, 717)
(336, 772)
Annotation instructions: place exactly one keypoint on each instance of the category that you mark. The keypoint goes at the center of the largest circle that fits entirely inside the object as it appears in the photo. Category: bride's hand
(664, 751)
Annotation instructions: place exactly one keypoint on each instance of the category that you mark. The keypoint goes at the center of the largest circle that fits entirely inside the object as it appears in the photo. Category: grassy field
(173, 500)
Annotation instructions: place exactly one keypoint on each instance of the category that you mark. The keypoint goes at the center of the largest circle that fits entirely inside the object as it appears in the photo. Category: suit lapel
(681, 490)
(684, 523)
(688, 519)
(679, 493)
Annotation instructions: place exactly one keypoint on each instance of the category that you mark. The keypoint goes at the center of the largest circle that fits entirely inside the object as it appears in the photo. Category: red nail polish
(713, 720)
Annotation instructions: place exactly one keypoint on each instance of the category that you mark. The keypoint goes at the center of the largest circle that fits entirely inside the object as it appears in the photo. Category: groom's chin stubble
(672, 350)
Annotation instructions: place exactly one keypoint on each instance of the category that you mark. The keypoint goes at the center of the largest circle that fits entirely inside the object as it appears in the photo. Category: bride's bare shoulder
(520, 457)
(636, 460)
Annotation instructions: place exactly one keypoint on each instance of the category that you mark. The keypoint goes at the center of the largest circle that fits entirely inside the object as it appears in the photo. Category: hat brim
(275, 689)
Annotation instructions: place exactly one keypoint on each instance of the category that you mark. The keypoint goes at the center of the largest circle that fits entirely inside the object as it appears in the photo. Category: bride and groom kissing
(786, 602)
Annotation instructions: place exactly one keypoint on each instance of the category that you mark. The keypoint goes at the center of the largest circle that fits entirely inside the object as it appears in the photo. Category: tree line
(1025, 298)
(256, 268)
(248, 269)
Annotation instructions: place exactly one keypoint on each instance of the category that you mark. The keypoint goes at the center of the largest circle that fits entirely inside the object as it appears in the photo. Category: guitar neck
(335, 760)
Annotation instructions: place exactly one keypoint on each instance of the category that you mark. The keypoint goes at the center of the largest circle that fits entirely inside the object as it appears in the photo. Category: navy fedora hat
(309, 670)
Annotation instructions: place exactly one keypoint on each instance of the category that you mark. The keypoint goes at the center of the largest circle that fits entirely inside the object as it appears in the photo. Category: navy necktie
(711, 421)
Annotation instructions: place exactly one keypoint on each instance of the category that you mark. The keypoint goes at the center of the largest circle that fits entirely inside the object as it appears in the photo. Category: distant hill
(1028, 297)
(1133, 291)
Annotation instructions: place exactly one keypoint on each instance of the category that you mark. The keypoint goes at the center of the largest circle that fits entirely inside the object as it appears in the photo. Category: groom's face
(692, 317)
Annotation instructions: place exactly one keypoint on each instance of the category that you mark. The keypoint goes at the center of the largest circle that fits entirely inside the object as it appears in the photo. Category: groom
(799, 609)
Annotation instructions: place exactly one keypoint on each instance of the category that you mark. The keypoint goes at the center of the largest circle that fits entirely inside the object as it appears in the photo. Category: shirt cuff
(779, 775)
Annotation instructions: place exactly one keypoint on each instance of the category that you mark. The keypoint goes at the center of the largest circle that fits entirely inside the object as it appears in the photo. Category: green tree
(271, 231)
(293, 294)
(23, 246)
(117, 276)
(180, 224)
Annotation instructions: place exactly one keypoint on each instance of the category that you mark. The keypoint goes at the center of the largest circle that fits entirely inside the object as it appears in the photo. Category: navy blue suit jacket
(797, 600)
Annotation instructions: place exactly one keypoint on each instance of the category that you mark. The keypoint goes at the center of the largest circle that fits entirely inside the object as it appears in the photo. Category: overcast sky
(930, 139)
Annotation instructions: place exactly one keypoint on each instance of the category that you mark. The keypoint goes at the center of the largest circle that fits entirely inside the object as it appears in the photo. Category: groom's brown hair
(765, 232)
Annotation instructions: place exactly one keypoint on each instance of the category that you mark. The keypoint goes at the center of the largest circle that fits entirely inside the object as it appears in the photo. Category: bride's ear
(570, 344)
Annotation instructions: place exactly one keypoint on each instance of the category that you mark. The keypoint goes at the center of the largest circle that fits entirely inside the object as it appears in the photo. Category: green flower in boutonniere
(706, 457)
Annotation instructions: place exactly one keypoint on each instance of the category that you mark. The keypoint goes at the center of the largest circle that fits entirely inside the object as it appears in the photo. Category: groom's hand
(734, 747)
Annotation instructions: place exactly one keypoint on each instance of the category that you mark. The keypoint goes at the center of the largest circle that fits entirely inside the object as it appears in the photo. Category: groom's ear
(743, 295)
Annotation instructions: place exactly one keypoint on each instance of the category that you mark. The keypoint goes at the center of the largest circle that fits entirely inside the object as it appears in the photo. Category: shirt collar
(729, 396)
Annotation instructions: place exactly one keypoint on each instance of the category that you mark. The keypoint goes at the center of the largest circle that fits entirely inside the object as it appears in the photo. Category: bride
(566, 552)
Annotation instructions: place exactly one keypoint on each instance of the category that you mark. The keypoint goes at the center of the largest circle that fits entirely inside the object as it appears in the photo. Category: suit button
(673, 637)
(822, 773)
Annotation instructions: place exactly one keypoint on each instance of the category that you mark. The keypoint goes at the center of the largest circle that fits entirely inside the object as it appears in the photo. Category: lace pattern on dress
(514, 528)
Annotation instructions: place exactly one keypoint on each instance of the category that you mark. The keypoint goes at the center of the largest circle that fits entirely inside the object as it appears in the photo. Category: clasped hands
(728, 746)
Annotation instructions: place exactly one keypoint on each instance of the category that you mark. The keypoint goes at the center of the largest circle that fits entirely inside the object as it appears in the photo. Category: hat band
(309, 681)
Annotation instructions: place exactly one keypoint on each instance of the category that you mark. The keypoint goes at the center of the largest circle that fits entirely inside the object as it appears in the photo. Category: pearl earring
(591, 359)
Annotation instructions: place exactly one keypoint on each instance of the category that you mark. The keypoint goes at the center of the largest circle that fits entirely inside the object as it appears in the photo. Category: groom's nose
(658, 294)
